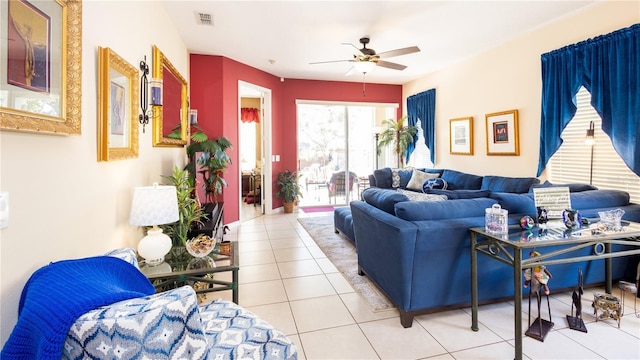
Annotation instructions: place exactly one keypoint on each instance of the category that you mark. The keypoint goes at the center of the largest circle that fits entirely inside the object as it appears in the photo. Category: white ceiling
(283, 37)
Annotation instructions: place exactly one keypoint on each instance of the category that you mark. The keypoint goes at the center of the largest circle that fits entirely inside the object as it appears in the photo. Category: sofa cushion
(515, 203)
(457, 180)
(383, 177)
(518, 185)
(574, 187)
(401, 177)
(418, 178)
(460, 194)
(383, 199)
(594, 199)
(418, 196)
(436, 210)
(434, 183)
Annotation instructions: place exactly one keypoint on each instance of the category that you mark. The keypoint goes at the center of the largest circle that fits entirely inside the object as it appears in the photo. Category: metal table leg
(474, 283)
(517, 283)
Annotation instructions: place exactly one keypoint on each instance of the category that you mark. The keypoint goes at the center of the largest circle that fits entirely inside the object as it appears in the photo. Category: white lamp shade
(154, 205)
(364, 66)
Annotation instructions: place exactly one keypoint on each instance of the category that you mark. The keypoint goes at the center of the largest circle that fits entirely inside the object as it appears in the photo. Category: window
(572, 162)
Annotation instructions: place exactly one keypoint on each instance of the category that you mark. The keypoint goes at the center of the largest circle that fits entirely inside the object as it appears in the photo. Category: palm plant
(398, 135)
(213, 161)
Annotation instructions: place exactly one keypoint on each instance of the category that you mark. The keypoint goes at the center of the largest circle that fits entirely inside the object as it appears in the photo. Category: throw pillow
(434, 183)
(418, 178)
(395, 178)
(416, 196)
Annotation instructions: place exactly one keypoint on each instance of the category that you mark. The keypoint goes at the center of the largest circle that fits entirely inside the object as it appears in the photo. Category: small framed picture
(502, 133)
(461, 136)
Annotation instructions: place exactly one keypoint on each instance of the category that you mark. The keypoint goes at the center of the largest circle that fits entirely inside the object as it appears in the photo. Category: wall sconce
(144, 93)
(156, 92)
(590, 139)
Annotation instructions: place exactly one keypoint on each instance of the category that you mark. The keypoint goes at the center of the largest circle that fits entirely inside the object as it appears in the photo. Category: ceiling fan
(366, 59)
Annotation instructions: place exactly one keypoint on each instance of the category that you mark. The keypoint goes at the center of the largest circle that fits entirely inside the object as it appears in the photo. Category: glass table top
(180, 262)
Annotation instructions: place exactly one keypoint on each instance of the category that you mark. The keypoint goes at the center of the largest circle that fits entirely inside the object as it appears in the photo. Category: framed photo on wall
(502, 133)
(461, 136)
(41, 69)
(118, 91)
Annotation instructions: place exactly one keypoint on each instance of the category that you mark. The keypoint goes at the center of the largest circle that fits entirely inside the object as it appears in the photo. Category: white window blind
(572, 162)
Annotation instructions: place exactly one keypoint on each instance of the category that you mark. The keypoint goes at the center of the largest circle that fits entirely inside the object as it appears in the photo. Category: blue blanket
(57, 294)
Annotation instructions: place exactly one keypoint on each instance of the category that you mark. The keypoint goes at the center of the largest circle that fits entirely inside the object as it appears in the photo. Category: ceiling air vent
(204, 19)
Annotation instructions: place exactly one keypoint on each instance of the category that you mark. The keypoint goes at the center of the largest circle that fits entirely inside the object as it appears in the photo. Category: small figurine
(526, 222)
(542, 215)
(539, 275)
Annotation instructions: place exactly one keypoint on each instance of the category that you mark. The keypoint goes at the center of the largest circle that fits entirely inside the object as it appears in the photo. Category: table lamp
(152, 206)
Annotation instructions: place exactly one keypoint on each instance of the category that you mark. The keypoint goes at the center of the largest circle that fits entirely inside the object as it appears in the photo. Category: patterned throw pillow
(416, 196)
(395, 178)
(418, 178)
(434, 183)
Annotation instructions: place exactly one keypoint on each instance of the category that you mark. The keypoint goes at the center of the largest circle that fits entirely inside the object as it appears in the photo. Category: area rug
(317, 209)
(342, 254)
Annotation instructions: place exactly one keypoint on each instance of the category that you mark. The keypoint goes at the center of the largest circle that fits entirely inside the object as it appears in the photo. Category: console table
(508, 249)
(180, 268)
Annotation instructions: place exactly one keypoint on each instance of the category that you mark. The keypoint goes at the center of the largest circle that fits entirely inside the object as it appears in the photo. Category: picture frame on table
(502, 133)
(41, 69)
(118, 93)
(461, 136)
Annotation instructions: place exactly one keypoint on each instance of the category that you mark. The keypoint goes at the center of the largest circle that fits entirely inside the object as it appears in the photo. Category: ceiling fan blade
(391, 65)
(398, 52)
(351, 71)
(358, 52)
(327, 62)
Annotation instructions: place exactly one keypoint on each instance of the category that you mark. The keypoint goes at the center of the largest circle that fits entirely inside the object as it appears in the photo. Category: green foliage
(289, 188)
(398, 135)
(213, 161)
(197, 136)
(188, 207)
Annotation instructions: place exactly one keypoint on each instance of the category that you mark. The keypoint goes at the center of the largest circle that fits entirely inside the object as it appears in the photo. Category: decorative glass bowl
(611, 220)
(200, 246)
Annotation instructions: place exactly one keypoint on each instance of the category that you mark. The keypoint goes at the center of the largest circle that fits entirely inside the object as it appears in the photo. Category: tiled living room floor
(287, 280)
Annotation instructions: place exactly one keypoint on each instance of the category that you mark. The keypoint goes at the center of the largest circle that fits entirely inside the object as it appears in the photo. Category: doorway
(254, 128)
(337, 149)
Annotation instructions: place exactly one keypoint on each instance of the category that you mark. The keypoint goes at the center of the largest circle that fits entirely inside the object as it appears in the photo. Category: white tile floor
(286, 279)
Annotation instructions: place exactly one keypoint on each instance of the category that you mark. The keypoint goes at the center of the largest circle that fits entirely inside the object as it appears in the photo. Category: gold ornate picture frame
(41, 66)
(118, 91)
(502, 133)
(461, 136)
(172, 117)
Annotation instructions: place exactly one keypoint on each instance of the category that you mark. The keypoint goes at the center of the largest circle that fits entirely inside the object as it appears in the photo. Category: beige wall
(65, 204)
(505, 78)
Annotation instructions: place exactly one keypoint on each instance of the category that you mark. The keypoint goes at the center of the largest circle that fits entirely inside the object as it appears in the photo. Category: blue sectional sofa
(418, 252)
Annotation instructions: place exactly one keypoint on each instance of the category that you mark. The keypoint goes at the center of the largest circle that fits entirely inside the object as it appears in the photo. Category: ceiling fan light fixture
(364, 66)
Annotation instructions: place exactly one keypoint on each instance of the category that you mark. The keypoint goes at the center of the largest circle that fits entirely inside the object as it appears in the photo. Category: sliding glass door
(337, 150)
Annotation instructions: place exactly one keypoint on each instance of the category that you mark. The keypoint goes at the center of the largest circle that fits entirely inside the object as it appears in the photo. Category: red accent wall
(214, 93)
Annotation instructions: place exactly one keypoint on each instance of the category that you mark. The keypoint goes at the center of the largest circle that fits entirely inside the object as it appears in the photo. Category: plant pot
(288, 208)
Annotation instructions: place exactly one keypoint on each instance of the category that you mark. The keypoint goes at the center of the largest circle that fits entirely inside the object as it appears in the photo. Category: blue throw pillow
(457, 180)
(434, 183)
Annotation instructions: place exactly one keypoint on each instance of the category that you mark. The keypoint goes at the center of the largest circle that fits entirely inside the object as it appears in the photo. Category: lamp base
(154, 246)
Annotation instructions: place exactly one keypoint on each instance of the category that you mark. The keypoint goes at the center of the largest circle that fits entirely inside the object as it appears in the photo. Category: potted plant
(398, 135)
(189, 209)
(210, 155)
(288, 188)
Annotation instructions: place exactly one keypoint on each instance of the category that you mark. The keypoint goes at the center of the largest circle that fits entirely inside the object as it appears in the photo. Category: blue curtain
(422, 106)
(608, 66)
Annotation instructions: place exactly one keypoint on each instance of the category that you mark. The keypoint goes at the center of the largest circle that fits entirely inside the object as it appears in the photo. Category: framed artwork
(117, 107)
(41, 69)
(461, 136)
(502, 133)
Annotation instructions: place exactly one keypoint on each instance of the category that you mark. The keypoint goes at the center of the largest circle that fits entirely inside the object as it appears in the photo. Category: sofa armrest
(127, 254)
(160, 326)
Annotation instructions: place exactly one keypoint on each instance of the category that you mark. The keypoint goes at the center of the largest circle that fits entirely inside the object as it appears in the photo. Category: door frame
(265, 136)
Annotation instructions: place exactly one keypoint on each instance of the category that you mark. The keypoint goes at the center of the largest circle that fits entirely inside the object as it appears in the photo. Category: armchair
(171, 325)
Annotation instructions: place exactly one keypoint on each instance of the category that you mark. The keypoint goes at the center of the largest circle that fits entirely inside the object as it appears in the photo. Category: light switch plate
(4, 209)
